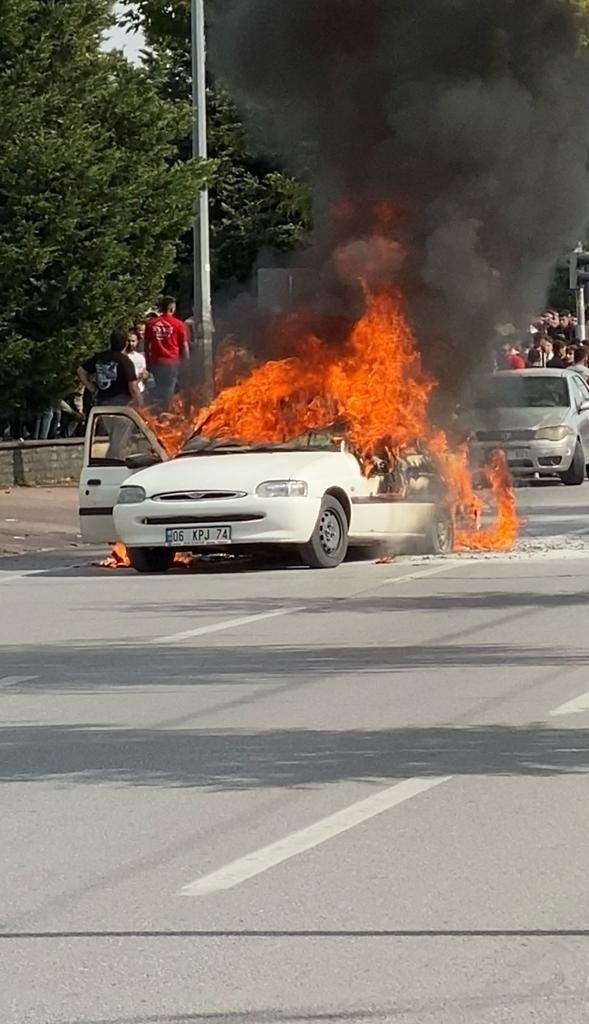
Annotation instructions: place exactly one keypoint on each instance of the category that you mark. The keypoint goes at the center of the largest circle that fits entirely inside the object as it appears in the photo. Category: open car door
(113, 436)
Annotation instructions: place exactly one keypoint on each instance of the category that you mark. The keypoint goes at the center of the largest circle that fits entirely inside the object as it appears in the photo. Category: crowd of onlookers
(138, 365)
(551, 343)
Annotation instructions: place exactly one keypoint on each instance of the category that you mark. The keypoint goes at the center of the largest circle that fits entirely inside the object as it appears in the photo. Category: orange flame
(375, 383)
(503, 534)
(118, 558)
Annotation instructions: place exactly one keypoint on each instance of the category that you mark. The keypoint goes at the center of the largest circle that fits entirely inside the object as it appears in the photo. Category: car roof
(534, 373)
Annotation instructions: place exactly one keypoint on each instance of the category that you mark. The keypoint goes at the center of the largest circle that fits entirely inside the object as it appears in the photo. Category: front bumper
(252, 520)
(528, 457)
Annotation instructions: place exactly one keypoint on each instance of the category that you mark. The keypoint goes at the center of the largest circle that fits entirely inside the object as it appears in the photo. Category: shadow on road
(377, 602)
(66, 669)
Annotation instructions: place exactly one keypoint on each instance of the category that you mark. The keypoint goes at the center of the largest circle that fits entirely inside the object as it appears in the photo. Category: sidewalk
(37, 518)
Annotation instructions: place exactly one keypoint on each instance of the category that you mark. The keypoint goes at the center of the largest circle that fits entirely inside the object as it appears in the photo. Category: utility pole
(203, 329)
(578, 277)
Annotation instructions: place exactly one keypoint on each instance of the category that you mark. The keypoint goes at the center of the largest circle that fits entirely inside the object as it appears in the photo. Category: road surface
(288, 796)
(33, 518)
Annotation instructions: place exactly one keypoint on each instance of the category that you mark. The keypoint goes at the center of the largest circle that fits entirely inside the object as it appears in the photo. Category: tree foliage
(254, 205)
(93, 196)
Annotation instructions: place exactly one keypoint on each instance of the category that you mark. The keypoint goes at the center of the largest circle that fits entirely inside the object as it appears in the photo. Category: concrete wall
(26, 463)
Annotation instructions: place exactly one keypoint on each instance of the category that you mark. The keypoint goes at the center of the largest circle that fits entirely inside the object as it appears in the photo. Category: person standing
(535, 359)
(137, 358)
(166, 345)
(565, 326)
(558, 360)
(511, 358)
(139, 330)
(546, 346)
(110, 375)
(580, 363)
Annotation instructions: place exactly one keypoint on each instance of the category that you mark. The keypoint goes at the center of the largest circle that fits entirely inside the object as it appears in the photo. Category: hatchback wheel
(151, 560)
(439, 539)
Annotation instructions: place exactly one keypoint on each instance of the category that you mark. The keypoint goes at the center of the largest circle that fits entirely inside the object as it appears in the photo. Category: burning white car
(310, 496)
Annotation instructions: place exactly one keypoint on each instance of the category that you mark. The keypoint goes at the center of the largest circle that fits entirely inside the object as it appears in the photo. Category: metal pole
(582, 326)
(202, 307)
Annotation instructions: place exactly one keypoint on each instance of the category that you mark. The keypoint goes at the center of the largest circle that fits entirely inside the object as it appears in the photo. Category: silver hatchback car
(540, 418)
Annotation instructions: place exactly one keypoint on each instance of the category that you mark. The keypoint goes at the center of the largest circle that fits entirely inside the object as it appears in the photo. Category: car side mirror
(584, 406)
(142, 461)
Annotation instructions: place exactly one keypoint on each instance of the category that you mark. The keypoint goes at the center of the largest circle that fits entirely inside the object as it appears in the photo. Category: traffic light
(578, 269)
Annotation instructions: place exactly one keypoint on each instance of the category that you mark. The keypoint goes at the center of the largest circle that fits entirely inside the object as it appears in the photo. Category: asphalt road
(289, 796)
(38, 518)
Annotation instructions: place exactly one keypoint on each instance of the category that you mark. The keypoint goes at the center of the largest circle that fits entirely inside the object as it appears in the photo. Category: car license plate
(518, 453)
(187, 536)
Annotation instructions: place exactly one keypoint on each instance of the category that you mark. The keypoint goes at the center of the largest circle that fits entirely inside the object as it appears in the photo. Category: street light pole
(202, 306)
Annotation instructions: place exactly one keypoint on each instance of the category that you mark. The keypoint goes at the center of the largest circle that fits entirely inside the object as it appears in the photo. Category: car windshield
(325, 439)
(522, 392)
(199, 445)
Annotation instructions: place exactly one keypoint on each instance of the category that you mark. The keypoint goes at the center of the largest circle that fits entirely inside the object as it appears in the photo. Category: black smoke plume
(466, 120)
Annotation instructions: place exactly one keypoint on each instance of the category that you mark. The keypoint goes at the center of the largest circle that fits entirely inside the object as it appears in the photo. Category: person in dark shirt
(566, 326)
(551, 323)
(558, 361)
(110, 375)
(535, 359)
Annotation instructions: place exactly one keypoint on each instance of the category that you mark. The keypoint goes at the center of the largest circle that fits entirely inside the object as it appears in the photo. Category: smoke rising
(468, 118)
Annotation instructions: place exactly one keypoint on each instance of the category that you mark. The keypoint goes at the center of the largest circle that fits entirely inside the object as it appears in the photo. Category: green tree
(93, 195)
(253, 203)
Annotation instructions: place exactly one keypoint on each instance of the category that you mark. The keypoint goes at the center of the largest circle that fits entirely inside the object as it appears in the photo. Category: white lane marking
(218, 627)
(11, 577)
(435, 571)
(299, 842)
(572, 707)
(13, 680)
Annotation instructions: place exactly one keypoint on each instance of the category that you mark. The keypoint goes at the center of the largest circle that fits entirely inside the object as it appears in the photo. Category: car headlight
(553, 433)
(131, 496)
(282, 489)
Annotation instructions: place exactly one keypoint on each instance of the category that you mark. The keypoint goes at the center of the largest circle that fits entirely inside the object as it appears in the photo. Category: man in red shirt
(166, 344)
(512, 359)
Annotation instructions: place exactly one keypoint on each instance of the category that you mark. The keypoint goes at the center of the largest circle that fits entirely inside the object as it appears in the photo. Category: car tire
(328, 544)
(151, 560)
(439, 540)
(575, 474)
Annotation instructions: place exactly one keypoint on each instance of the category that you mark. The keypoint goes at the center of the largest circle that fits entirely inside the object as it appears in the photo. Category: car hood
(242, 471)
(515, 419)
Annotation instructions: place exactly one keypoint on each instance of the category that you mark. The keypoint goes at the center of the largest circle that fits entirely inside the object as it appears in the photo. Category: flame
(118, 558)
(503, 534)
(375, 383)
(171, 427)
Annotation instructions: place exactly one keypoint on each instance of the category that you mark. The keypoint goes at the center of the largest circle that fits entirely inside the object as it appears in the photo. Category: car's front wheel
(150, 560)
(328, 545)
(575, 474)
